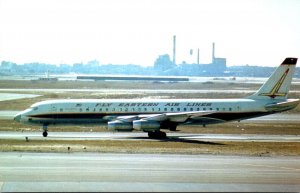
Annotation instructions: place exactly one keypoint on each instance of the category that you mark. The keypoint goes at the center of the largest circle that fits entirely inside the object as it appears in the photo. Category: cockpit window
(35, 108)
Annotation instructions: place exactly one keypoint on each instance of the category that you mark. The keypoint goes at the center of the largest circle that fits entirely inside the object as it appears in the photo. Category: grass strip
(176, 146)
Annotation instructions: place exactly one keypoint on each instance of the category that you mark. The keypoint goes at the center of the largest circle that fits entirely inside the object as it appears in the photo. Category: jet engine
(146, 125)
(119, 126)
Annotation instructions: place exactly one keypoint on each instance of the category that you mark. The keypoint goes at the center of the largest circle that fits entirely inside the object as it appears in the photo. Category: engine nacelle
(145, 125)
(119, 126)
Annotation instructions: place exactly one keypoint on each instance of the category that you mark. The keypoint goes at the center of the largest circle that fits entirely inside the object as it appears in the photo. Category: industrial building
(216, 68)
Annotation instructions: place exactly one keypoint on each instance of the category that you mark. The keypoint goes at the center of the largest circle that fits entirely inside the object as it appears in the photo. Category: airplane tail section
(278, 85)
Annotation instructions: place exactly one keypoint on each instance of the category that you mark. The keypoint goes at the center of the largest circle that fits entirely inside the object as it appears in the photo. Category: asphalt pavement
(56, 172)
(142, 136)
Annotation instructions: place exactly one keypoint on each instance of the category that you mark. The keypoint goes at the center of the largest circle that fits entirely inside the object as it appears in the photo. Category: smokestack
(174, 49)
(213, 52)
(198, 56)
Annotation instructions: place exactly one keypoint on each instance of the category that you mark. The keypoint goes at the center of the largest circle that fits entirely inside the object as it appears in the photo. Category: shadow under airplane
(178, 139)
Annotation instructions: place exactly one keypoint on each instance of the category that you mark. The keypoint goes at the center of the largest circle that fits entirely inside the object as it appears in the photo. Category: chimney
(174, 49)
(198, 56)
(213, 52)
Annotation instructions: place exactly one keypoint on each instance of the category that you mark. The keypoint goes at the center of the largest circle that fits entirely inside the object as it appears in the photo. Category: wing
(154, 122)
(179, 117)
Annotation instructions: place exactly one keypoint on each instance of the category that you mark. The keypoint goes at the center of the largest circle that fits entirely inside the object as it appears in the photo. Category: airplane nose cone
(17, 117)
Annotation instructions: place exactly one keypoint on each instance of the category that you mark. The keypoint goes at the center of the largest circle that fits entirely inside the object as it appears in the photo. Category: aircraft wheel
(173, 127)
(163, 135)
(45, 133)
(150, 134)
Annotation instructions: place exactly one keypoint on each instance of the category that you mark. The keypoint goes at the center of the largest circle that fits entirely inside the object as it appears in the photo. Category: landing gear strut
(45, 133)
(157, 135)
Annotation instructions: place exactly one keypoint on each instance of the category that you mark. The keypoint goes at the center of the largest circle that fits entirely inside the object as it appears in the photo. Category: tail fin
(278, 85)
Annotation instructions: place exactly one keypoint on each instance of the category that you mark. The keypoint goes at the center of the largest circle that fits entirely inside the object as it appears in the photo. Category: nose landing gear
(45, 128)
(45, 133)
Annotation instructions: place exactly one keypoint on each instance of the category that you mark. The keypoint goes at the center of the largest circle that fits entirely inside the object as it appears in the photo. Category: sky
(254, 32)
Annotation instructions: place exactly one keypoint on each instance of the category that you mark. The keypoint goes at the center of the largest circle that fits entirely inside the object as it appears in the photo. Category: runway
(8, 115)
(53, 172)
(141, 136)
(14, 96)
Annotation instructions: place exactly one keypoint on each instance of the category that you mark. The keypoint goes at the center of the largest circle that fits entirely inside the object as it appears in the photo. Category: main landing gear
(45, 133)
(157, 135)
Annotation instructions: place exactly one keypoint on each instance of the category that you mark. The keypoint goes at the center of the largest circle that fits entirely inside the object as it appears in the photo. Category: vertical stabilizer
(278, 85)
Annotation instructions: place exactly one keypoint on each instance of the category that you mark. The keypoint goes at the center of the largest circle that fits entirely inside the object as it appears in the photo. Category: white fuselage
(94, 111)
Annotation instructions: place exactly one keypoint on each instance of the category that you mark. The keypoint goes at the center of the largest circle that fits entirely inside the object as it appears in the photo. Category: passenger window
(145, 109)
(191, 109)
(230, 109)
(178, 109)
(166, 109)
(172, 109)
(80, 109)
(204, 109)
(211, 109)
(184, 109)
(198, 109)
(61, 110)
(217, 109)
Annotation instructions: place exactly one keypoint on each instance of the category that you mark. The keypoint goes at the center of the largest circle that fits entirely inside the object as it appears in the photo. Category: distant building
(164, 66)
(216, 68)
(8, 65)
(163, 63)
(219, 64)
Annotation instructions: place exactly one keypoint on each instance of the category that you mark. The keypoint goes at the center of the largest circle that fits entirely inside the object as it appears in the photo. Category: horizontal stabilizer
(282, 106)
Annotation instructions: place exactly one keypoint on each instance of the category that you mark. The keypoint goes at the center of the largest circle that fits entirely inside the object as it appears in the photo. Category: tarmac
(14, 96)
(123, 172)
(142, 136)
(109, 172)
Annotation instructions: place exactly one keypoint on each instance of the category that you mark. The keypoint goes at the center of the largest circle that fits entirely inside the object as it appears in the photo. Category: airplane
(153, 115)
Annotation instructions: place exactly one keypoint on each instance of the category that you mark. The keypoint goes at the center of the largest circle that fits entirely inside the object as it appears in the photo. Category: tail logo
(274, 92)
